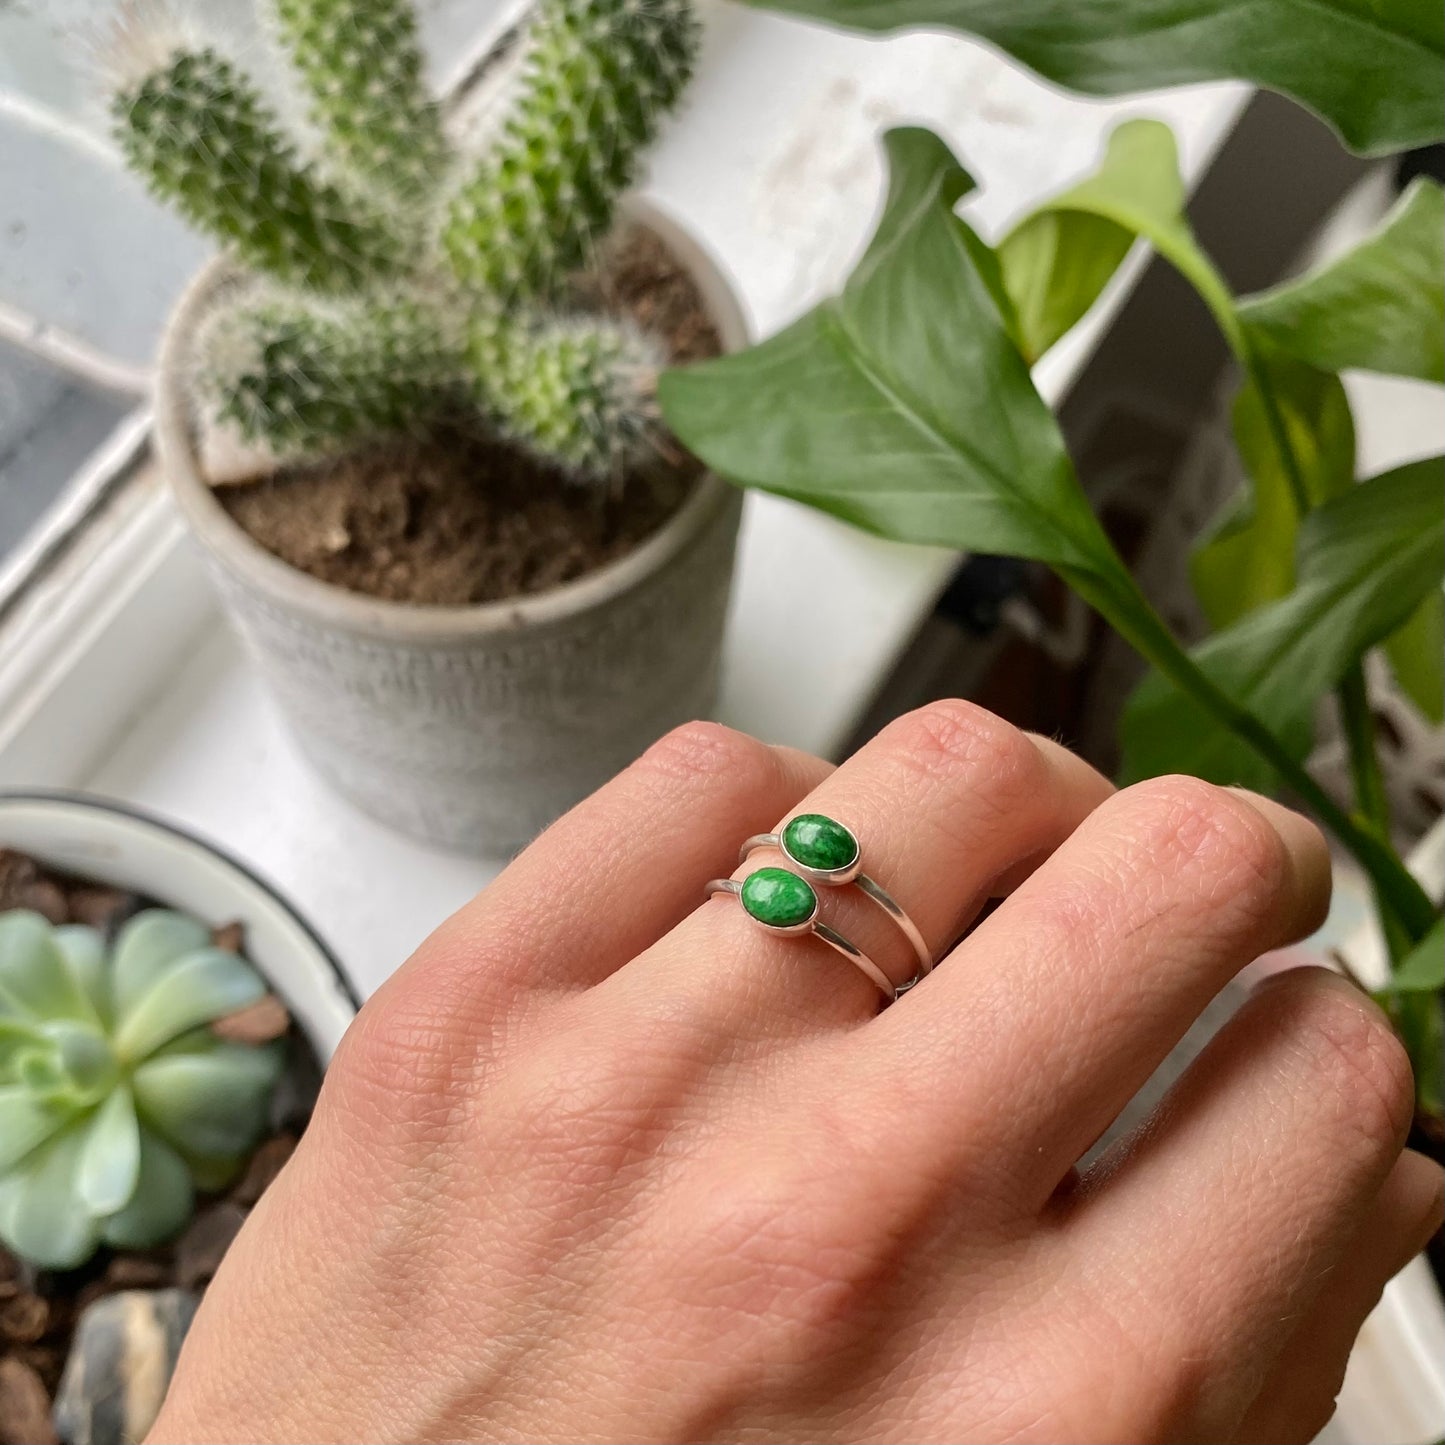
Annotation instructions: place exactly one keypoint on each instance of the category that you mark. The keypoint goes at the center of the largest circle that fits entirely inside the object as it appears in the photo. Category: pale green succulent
(416, 277)
(117, 1101)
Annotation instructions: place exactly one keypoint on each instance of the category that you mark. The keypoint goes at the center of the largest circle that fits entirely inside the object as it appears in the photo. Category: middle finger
(944, 801)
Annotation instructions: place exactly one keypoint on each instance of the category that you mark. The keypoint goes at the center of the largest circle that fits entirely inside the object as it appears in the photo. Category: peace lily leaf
(110, 1155)
(42, 1217)
(1379, 307)
(1417, 657)
(211, 1103)
(1375, 69)
(1366, 559)
(1248, 558)
(34, 979)
(1057, 260)
(206, 985)
(1422, 970)
(161, 1203)
(146, 947)
(908, 409)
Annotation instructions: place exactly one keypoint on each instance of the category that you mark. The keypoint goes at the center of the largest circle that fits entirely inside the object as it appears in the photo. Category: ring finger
(943, 802)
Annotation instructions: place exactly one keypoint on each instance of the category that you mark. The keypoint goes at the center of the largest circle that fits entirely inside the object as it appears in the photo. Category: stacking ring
(826, 852)
(782, 902)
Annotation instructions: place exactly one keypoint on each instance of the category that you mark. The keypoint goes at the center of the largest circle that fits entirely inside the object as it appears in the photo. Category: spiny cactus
(203, 138)
(406, 291)
(580, 391)
(599, 74)
(301, 378)
(363, 71)
(116, 1098)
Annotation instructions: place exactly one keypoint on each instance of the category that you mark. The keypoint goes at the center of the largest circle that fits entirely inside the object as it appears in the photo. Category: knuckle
(1189, 826)
(399, 1065)
(1356, 1059)
(704, 751)
(949, 736)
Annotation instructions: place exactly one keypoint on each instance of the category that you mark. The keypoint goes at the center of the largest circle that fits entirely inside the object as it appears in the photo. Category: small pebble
(258, 1023)
(120, 1364)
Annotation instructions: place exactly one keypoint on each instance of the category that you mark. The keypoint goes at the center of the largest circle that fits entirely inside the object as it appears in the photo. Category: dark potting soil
(457, 518)
(39, 1308)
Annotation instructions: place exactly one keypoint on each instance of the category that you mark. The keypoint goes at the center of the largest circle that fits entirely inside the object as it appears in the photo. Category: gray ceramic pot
(474, 727)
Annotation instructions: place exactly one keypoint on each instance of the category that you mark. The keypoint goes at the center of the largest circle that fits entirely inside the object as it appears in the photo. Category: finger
(1214, 1230)
(942, 801)
(1051, 1014)
(615, 873)
(1298, 1398)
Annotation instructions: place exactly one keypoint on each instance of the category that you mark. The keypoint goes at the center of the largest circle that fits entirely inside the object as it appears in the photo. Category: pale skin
(602, 1162)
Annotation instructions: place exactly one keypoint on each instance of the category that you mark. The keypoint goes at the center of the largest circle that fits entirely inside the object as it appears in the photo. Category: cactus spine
(578, 391)
(363, 72)
(402, 295)
(300, 378)
(599, 74)
(202, 138)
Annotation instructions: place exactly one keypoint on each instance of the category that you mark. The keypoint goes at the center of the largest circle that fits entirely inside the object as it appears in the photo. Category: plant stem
(1158, 646)
(1371, 801)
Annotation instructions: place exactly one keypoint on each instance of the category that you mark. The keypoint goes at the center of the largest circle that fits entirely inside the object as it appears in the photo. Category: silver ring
(781, 901)
(825, 851)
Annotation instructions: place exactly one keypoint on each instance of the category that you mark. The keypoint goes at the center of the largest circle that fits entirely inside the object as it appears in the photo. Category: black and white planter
(114, 844)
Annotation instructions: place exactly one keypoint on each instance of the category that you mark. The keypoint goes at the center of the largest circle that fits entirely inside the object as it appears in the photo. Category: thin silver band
(875, 890)
(830, 936)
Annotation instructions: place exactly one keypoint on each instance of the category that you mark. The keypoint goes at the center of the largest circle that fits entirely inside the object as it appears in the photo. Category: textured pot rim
(340, 609)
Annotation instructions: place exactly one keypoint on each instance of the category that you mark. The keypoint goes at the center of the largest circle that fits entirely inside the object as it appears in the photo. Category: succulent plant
(116, 1099)
(397, 280)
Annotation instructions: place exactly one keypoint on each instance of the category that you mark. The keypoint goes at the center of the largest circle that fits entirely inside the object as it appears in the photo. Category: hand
(605, 1162)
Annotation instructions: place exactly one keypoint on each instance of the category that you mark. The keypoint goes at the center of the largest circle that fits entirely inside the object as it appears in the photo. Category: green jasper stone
(819, 842)
(778, 898)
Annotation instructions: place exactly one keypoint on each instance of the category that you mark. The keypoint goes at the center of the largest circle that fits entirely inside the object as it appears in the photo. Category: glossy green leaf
(1417, 657)
(110, 1154)
(903, 404)
(203, 986)
(1375, 69)
(1422, 970)
(1379, 307)
(1366, 560)
(161, 1203)
(1058, 259)
(146, 947)
(1248, 557)
(212, 1102)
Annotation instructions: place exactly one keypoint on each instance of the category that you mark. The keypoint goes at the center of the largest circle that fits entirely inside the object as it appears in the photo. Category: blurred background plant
(910, 410)
(117, 1098)
(392, 279)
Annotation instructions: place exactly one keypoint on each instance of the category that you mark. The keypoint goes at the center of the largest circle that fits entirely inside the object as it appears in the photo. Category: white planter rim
(28, 815)
(354, 612)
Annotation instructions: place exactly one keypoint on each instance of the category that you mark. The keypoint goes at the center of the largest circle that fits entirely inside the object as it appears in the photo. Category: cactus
(362, 68)
(200, 136)
(403, 295)
(300, 377)
(578, 392)
(116, 1098)
(599, 74)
